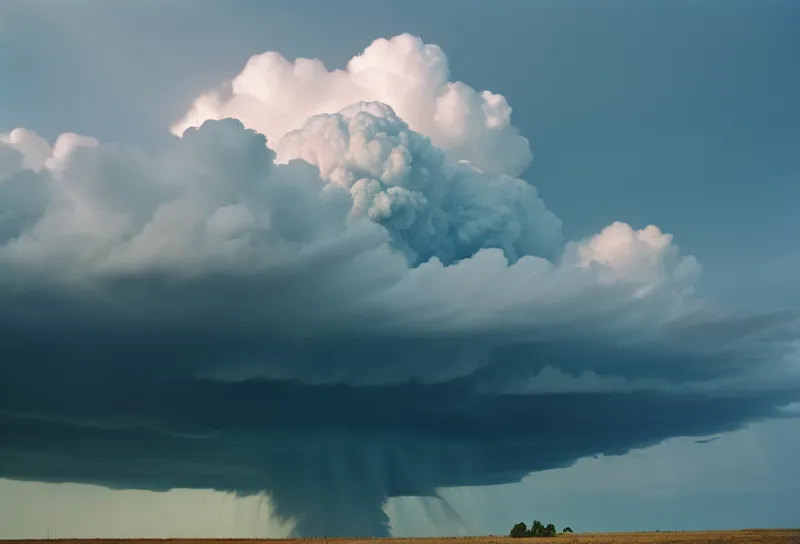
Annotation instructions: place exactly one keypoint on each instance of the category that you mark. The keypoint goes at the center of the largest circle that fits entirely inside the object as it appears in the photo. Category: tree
(519, 530)
(537, 530)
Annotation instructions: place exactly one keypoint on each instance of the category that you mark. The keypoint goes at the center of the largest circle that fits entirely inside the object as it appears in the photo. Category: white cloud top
(274, 96)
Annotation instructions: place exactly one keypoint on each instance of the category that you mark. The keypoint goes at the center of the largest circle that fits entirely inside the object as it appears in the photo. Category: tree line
(538, 529)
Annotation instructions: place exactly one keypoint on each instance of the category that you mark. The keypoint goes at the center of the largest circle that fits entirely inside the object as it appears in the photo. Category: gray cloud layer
(346, 315)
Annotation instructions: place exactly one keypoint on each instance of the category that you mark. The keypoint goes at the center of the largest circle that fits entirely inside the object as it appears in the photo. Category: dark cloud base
(329, 456)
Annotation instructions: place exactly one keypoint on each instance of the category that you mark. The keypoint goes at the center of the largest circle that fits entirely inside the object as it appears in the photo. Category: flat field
(755, 536)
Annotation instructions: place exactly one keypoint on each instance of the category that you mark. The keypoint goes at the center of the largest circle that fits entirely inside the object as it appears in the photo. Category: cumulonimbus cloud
(364, 303)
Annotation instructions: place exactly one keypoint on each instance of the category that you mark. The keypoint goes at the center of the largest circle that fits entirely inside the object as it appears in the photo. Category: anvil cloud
(333, 288)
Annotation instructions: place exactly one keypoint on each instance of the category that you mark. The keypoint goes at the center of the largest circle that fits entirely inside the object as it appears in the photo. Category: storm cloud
(332, 288)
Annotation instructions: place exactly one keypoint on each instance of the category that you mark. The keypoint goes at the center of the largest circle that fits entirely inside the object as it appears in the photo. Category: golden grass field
(755, 536)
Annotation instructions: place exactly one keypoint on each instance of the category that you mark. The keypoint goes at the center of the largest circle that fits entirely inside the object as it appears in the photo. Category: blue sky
(680, 114)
